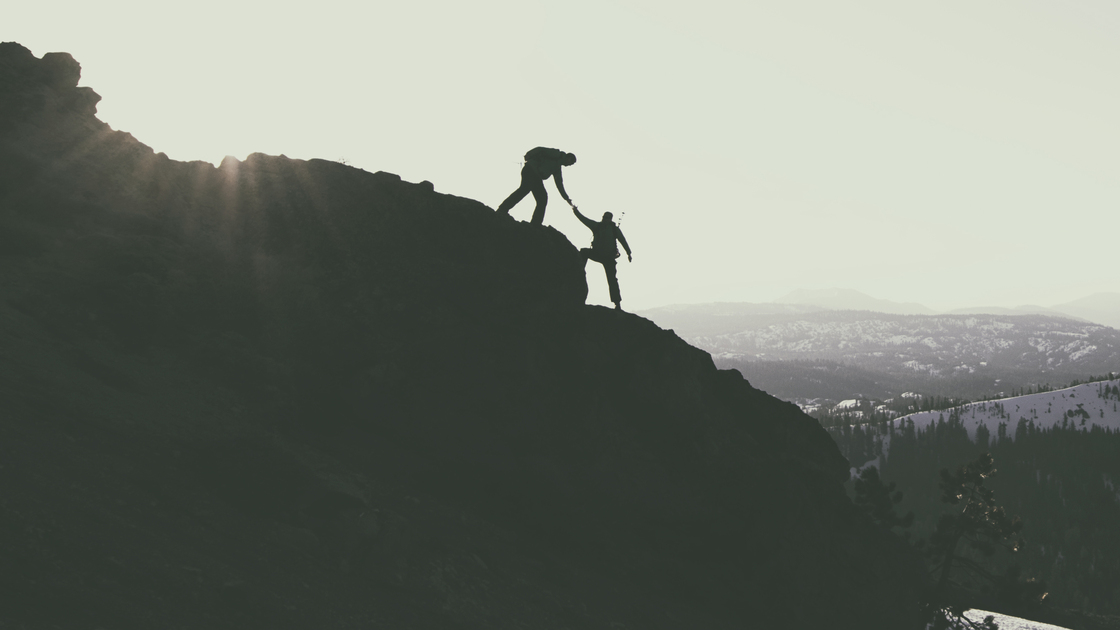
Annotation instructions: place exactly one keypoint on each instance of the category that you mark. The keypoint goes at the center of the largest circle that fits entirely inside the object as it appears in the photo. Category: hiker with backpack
(540, 164)
(605, 235)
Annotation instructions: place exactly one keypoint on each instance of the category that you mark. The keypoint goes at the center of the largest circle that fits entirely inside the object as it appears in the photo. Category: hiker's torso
(604, 239)
(544, 161)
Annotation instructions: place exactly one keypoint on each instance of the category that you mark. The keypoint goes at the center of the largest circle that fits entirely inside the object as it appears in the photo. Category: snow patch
(1010, 623)
(1081, 407)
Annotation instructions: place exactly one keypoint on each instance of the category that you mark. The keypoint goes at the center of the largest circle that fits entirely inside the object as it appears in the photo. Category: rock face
(284, 393)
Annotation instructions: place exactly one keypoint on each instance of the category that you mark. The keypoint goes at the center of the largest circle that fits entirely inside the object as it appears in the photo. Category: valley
(915, 394)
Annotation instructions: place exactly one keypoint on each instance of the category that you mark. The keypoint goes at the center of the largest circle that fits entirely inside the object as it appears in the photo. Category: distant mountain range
(1100, 308)
(802, 352)
(852, 300)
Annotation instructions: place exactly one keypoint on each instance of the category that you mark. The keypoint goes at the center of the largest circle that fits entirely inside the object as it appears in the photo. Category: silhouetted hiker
(540, 164)
(603, 250)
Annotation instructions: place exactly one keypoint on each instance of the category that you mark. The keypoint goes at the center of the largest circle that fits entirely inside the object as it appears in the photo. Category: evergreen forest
(1063, 481)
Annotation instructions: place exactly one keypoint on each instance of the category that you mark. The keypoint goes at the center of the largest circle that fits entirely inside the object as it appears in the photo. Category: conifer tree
(878, 499)
(982, 526)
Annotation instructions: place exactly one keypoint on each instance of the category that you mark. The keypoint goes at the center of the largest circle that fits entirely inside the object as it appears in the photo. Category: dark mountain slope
(281, 393)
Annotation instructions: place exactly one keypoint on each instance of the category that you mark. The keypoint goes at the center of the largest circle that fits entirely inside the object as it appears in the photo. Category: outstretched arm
(625, 245)
(558, 177)
(582, 219)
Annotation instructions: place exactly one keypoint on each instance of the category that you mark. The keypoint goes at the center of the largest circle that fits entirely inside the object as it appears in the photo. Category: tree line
(866, 411)
(1062, 481)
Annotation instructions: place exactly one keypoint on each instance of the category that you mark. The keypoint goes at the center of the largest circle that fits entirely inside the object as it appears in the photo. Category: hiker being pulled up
(603, 250)
(540, 164)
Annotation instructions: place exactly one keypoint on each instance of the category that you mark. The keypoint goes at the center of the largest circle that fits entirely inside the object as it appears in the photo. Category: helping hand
(629, 258)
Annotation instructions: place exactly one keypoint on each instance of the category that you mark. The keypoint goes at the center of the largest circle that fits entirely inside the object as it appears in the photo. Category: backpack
(544, 154)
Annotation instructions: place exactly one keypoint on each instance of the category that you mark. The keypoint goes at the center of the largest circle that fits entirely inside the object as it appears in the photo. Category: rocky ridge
(286, 393)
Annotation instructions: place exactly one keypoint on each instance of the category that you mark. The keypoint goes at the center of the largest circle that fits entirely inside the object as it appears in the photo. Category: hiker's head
(607, 217)
(569, 159)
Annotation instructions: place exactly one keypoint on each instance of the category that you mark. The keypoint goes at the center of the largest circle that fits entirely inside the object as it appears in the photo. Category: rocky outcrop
(293, 393)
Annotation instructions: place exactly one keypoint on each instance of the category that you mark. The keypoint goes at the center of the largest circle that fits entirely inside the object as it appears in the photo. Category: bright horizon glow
(950, 154)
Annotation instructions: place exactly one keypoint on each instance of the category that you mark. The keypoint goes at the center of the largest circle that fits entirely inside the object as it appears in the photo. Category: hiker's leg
(519, 194)
(512, 200)
(612, 281)
(585, 254)
(542, 199)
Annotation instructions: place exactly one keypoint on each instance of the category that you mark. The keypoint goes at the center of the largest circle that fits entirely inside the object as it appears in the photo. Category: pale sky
(953, 153)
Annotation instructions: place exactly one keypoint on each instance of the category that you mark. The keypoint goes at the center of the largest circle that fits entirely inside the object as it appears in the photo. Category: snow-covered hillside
(1082, 406)
(942, 345)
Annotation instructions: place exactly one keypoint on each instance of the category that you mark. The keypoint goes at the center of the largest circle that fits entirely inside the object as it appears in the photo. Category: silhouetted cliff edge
(284, 393)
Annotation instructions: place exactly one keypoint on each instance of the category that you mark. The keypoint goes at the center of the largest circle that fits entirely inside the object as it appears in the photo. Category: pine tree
(982, 526)
(878, 499)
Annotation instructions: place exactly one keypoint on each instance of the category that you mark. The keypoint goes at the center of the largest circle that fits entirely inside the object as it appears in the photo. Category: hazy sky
(953, 153)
